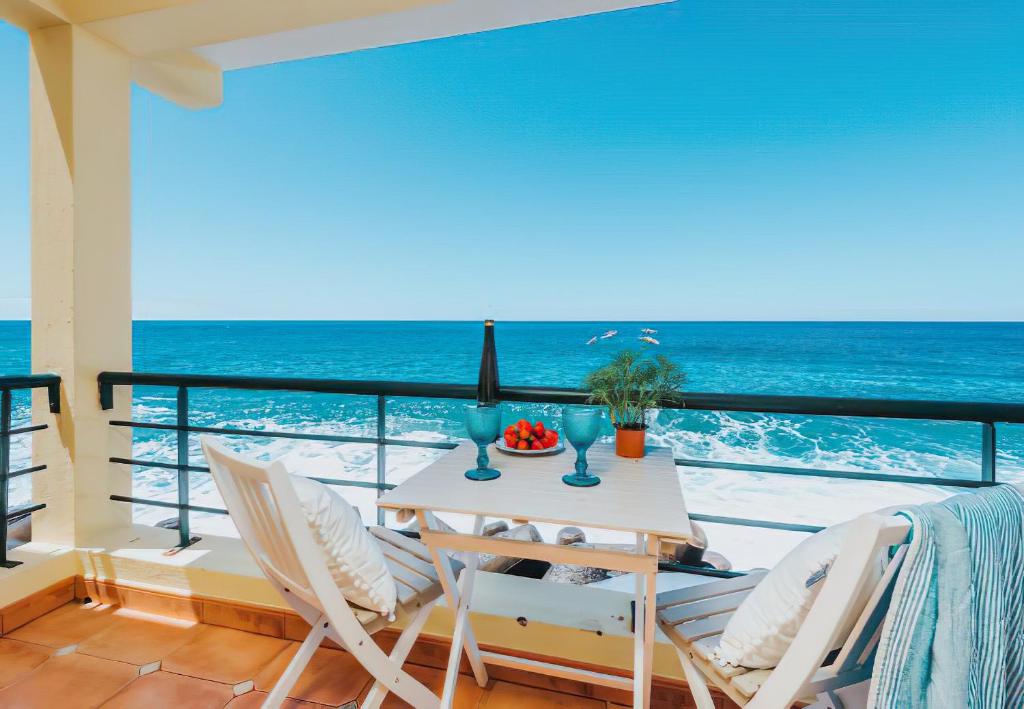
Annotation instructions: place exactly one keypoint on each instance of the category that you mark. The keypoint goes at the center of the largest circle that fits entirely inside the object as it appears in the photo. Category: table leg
(650, 611)
(639, 611)
(458, 594)
(645, 600)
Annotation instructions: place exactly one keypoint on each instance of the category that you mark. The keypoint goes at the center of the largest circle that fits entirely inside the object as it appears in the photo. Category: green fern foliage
(632, 383)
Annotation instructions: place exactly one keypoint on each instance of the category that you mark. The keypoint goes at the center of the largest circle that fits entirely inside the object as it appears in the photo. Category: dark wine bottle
(487, 382)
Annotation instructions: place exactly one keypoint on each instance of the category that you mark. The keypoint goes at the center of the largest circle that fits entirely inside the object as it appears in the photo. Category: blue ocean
(948, 361)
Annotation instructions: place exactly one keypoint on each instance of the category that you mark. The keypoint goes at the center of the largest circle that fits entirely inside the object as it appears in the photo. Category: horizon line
(580, 321)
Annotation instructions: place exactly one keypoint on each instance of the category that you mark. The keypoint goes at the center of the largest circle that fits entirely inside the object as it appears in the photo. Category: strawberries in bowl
(525, 438)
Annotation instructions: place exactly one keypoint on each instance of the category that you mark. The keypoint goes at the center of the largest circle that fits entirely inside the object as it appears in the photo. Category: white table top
(635, 495)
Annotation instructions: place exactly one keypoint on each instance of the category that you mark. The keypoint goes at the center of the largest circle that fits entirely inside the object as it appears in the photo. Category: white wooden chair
(266, 510)
(693, 618)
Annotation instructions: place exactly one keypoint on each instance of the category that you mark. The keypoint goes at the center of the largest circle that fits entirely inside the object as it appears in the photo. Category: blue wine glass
(484, 425)
(581, 426)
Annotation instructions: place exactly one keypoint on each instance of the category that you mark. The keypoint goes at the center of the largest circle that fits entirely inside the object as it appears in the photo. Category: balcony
(130, 583)
(123, 579)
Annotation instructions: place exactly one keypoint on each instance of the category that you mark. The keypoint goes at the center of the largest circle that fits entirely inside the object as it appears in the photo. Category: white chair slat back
(260, 499)
(837, 619)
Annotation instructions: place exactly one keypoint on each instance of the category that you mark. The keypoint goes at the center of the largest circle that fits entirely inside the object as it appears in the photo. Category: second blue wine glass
(581, 427)
(484, 425)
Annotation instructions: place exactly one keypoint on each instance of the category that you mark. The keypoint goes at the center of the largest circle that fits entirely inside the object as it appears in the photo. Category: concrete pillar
(80, 107)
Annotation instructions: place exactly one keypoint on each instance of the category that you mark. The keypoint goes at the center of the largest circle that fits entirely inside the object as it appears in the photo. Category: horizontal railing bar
(36, 381)
(443, 445)
(159, 464)
(246, 432)
(921, 409)
(25, 429)
(16, 513)
(28, 381)
(762, 523)
(982, 412)
(699, 570)
(26, 471)
(168, 505)
(409, 443)
(357, 387)
(836, 474)
(217, 510)
(203, 469)
(714, 519)
(355, 483)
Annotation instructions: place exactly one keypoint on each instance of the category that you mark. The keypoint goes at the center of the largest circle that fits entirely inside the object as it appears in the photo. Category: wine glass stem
(581, 462)
(481, 456)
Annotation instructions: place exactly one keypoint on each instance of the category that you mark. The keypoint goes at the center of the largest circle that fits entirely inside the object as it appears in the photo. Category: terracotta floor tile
(467, 693)
(164, 689)
(254, 700)
(504, 695)
(70, 682)
(18, 659)
(68, 625)
(224, 655)
(139, 638)
(332, 676)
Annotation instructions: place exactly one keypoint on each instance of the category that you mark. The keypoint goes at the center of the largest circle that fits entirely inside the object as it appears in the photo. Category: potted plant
(629, 385)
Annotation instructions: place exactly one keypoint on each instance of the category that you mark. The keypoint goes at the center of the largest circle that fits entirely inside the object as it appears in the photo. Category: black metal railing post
(51, 382)
(53, 396)
(382, 452)
(5, 471)
(988, 452)
(184, 536)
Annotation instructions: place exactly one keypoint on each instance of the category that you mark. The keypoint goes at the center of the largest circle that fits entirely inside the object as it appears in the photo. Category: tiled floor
(95, 655)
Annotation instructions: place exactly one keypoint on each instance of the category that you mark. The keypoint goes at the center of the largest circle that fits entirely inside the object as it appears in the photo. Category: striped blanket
(954, 634)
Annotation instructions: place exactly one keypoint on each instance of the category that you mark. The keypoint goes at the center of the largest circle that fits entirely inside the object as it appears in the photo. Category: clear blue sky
(700, 160)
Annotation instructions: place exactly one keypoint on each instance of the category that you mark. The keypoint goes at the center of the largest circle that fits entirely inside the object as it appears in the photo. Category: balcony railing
(986, 414)
(9, 515)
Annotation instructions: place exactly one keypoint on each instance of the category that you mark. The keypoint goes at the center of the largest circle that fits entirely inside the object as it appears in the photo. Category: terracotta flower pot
(629, 443)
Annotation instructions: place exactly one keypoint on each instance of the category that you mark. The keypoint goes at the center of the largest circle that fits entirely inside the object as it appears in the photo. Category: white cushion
(353, 556)
(767, 621)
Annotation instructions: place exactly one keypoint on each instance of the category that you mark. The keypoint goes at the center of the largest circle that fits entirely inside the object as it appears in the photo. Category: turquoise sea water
(950, 361)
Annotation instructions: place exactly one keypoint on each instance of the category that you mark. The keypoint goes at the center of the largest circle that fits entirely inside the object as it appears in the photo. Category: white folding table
(641, 496)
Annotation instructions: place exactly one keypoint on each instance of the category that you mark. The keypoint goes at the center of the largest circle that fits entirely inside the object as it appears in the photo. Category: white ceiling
(445, 19)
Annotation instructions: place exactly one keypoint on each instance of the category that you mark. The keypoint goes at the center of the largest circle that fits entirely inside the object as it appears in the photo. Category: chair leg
(380, 665)
(462, 637)
(698, 685)
(458, 595)
(465, 585)
(302, 657)
(398, 654)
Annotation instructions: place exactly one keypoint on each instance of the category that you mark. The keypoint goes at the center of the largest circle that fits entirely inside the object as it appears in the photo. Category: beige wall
(80, 107)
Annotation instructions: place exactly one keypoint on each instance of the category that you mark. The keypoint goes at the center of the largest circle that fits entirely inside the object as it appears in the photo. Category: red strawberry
(537, 445)
(524, 433)
(510, 429)
(539, 428)
(523, 445)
